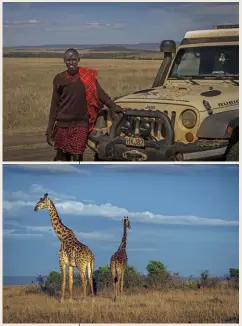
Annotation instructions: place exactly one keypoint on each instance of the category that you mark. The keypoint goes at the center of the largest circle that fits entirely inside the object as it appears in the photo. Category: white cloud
(23, 236)
(8, 232)
(22, 22)
(71, 207)
(48, 230)
(31, 231)
(95, 25)
(98, 236)
(15, 206)
(42, 229)
(50, 168)
(119, 25)
(37, 189)
(41, 190)
(167, 168)
(86, 26)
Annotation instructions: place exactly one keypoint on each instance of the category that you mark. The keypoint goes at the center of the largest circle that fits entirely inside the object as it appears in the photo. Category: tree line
(134, 55)
(157, 278)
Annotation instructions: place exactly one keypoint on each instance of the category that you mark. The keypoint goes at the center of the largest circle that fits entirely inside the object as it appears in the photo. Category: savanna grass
(21, 305)
(27, 86)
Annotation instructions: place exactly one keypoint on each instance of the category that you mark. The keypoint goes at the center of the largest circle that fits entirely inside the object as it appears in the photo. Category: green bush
(50, 284)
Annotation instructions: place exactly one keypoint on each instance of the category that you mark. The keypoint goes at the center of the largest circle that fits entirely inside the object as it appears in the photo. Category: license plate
(135, 142)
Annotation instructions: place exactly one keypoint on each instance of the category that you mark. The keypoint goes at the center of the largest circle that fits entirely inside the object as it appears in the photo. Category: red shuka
(94, 106)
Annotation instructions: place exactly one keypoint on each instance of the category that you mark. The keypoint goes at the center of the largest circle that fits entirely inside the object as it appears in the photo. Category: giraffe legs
(121, 283)
(70, 274)
(115, 280)
(116, 275)
(63, 280)
(90, 277)
(84, 281)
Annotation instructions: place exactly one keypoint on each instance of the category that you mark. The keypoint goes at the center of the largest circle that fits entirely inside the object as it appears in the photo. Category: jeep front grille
(157, 128)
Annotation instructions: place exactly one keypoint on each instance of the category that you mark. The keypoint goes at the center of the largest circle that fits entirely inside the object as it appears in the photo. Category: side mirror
(168, 46)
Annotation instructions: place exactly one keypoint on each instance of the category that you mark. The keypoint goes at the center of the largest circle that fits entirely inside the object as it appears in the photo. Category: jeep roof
(219, 33)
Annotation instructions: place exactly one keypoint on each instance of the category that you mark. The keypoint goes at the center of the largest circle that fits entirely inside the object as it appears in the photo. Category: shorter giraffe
(72, 253)
(119, 262)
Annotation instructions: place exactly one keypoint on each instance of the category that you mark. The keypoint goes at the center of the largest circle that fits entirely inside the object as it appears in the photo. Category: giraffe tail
(93, 277)
(115, 278)
(115, 275)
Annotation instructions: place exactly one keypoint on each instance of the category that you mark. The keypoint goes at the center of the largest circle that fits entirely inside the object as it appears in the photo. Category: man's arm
(106, 100)
(54, 107)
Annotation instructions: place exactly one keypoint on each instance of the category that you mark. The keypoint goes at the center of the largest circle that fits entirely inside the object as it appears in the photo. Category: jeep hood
(218, 97)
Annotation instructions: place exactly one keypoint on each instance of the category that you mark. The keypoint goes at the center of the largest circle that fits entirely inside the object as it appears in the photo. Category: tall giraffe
(72, 253)
(119, 261)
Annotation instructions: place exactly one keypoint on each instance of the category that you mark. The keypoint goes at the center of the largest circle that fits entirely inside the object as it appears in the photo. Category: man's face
(71, 60)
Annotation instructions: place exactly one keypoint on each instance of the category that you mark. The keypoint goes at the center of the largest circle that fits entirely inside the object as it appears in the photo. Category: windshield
(209, 61)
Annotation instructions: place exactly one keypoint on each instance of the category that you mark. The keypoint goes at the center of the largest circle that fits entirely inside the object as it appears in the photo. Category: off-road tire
(96, 158)
(233, 153)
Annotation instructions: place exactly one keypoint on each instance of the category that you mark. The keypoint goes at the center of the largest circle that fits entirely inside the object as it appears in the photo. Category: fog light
(189, 137)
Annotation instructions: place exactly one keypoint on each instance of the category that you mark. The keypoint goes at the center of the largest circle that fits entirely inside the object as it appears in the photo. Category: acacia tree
(156, 268)
(51, 283)
(204, 275)
(157, 272)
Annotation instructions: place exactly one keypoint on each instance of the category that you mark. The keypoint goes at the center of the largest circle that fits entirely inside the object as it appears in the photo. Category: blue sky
(99, 23)
(183, 215)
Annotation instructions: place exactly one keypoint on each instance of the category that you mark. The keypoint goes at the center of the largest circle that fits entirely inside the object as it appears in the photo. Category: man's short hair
(71, 50)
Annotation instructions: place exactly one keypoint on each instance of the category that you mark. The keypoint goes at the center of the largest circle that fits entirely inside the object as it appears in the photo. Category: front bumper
(114, 148)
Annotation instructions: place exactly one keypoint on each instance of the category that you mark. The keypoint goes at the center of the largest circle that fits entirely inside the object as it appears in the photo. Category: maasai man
(76, 101)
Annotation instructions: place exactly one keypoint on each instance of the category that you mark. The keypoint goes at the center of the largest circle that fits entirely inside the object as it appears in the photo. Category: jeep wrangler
(190, 113)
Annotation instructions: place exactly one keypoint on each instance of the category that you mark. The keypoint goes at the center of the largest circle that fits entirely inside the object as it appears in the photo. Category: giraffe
(72, 253)
(119, 261)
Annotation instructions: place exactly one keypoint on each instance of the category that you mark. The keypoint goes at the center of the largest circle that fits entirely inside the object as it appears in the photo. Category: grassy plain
(23, 304)
(27, 86)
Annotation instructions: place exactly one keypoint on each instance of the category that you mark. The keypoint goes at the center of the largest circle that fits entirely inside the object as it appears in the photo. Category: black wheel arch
(223, 125)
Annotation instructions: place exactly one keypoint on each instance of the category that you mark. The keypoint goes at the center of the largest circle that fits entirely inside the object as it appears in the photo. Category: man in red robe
(76, 101)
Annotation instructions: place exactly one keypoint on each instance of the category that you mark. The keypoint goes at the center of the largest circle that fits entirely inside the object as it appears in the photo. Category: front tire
(233, 153)
(97, 159)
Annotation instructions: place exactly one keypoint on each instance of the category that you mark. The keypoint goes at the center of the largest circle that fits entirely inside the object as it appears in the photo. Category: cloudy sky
(183, 215)
(99, 23)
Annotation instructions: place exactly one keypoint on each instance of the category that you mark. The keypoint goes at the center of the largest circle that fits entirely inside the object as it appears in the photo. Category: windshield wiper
(225, 77)
(187, 78)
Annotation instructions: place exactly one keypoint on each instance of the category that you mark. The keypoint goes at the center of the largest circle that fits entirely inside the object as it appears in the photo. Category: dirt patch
(31, 147)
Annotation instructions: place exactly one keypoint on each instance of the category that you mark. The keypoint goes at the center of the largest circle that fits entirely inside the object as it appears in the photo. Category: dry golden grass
(173, 306)
(27, 86)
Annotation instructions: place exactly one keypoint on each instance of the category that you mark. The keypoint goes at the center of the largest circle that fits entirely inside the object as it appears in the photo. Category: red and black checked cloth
(74, 139)
(71, 140)
(94, 106)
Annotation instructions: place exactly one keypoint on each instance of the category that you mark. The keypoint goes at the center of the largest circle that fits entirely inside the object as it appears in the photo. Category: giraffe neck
(124, 239)
(60, 229)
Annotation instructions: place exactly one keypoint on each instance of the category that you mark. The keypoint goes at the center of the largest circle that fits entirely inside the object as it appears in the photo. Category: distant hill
(136, 46)
(138, 51)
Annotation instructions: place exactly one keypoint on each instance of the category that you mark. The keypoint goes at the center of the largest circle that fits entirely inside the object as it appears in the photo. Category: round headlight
(144, 129)
(189, 119)
(126, 127)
